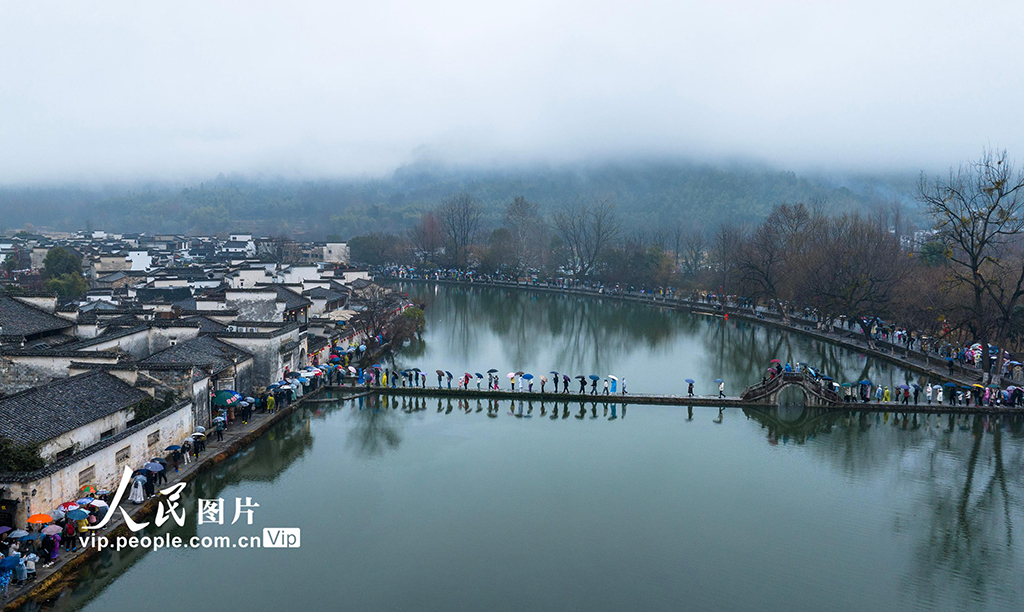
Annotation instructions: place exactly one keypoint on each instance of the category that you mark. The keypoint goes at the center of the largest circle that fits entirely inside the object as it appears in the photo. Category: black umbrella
(581, 377)
(440, 372)
(491, 371)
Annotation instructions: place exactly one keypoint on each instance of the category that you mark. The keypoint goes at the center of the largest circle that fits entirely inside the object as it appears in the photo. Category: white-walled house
(86, 432)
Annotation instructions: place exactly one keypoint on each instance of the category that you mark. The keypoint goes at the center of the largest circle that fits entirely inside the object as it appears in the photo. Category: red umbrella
(67, 507)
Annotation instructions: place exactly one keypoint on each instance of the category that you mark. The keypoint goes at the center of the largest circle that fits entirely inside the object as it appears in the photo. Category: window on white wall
(87, 476)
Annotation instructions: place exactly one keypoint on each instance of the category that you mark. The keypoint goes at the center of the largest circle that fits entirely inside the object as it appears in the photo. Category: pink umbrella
(51, 529)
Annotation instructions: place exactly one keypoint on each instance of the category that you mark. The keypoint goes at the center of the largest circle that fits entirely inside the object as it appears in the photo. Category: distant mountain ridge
(646, 194)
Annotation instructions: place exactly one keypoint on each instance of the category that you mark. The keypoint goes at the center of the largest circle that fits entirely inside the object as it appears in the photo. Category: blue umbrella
(827, 378)
(29, 537)
(530, 377)
(447, 373)
(77, 515)
(175, 447)
(479, 375)
(904, 387)
(553, 372)
(362, 347)
(719, 380)
(865, 382)
(690, 380)
(9, 563)
(595, 377)
(949, 385)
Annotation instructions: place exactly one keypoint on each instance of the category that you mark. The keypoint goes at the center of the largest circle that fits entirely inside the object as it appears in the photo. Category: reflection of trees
(964, 546)
(586, 331)
(375, 425)
(956, 503)
(583, 329)
(742, 350)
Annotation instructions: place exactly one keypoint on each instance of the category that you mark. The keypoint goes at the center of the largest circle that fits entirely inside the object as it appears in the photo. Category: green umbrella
(226, 397)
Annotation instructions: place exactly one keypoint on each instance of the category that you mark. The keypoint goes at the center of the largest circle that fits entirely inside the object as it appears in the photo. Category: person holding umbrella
(689, 387)
(593, 384)
(721, 387)
(583, 384)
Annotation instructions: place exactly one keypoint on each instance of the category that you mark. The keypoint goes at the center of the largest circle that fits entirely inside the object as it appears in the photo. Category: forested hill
(646, 194)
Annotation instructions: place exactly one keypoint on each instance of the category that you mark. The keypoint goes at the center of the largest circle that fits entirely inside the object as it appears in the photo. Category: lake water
(434, 504)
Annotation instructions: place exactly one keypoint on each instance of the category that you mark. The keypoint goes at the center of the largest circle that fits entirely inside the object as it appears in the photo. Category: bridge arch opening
(792, 396)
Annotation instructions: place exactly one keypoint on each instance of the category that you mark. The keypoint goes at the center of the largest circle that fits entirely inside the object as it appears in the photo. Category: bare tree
(691, 252)
(766, 260)
(854, 268)
(526, 233)
(426, 237)
(979, 213)
(587, 229)
(459, 219)
(376, 308)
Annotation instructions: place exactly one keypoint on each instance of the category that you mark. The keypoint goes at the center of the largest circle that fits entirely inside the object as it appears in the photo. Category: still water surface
(428, 504)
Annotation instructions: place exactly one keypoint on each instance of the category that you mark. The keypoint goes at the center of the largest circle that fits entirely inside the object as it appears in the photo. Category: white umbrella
(613, 377)
(201, 429)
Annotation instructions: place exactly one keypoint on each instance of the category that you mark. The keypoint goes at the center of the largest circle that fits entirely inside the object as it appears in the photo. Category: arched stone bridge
(815, 392)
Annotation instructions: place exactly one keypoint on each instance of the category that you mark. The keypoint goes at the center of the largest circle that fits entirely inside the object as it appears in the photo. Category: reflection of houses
(86, 430)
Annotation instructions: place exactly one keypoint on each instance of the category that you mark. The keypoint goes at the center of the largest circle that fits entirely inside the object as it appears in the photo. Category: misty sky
(172, 90)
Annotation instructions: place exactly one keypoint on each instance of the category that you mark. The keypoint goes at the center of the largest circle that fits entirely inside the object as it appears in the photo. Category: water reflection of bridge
(756, 396)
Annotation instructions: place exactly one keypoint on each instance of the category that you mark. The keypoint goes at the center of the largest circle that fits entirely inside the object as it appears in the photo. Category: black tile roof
(167, 295)
(291, 299)
(319, 293)
(204, 351)
(19, 320)
(43, 413)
